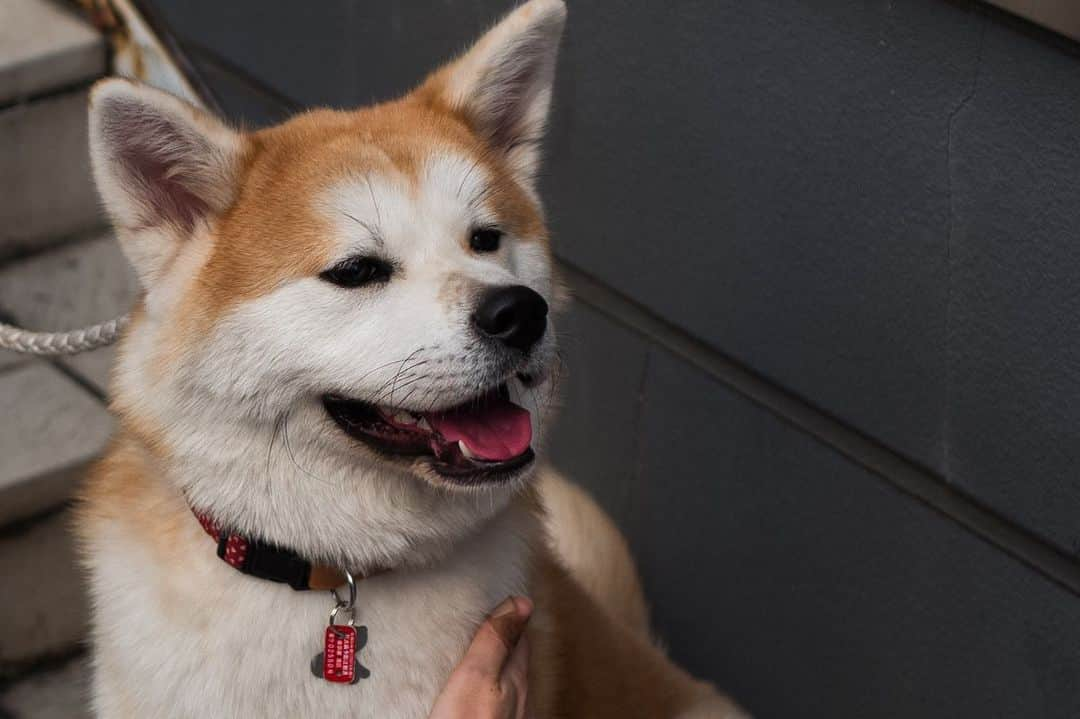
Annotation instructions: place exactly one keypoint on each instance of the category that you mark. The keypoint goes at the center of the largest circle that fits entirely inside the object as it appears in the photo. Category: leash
(51, 344)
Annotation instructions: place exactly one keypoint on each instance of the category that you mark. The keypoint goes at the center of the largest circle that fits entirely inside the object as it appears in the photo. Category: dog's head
(380, 279)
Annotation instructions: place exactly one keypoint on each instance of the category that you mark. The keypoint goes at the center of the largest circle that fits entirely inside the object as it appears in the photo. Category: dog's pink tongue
(497, 431)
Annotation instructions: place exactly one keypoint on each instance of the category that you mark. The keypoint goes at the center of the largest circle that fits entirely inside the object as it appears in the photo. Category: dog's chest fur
(181, 634)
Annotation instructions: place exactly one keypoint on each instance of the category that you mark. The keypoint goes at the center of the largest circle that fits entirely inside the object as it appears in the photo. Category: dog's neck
(272, 467)
(299, 493)
(296, 484)
(156, 575)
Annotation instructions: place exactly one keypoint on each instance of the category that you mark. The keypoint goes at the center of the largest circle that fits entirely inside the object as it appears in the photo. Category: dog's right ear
(163, 167)
(502, 85)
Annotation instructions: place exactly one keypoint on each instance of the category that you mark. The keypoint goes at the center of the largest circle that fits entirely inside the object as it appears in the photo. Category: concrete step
(44, 46)
(44, 597)
(53, 425)
(52, 429)
(10, 359)
(48, 58)
(60, 692)
(68, 287)
(46, 190)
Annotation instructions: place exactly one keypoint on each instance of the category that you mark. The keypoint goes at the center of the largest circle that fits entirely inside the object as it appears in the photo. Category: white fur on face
(250, 397)
(406, 343)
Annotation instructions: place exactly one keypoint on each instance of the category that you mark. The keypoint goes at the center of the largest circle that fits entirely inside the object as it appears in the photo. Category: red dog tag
(339, 654)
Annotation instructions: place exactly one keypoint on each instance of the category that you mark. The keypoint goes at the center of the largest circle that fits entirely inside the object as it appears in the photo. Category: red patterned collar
(268, 561)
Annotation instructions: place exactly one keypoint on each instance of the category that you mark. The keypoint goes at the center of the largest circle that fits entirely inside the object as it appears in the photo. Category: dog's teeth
(465, 450)
(404, 417)
(423, 424)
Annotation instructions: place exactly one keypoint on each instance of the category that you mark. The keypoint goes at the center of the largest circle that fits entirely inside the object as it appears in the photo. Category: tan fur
(591, 547)
(123, 494)
(266, 238)
(266, 231)
(585, 664)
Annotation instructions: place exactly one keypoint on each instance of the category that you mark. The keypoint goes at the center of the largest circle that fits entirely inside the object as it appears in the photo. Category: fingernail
(509, 619)
(507, 606)
(524, 606)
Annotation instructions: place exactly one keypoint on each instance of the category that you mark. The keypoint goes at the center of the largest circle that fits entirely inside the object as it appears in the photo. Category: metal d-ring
(340, 604)
(350, 610)
(352, 592)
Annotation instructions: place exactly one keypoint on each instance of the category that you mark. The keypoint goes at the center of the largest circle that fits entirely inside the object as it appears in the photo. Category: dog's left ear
(502, 85)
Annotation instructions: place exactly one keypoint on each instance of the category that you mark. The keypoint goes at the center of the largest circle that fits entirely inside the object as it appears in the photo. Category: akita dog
(325, 382)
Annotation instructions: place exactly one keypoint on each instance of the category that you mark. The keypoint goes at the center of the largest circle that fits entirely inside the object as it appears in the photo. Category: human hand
(491, 680)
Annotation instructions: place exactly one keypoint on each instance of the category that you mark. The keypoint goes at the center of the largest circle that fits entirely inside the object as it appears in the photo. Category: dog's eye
(485, 239)
(358, 271)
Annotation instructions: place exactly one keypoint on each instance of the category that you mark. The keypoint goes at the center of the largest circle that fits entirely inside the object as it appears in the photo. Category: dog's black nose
(514, 315)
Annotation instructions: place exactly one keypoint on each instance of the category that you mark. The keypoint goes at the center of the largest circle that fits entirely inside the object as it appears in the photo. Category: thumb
(497, 637)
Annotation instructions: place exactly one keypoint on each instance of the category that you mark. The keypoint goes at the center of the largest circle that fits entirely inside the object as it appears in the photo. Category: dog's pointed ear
(502, 85)
(162, 167)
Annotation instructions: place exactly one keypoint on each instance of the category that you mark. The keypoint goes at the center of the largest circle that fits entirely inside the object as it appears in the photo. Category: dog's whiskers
(401, 368)
(385, 365)
(411, 380)
(278, 422)
(371, 192)
(292, 457)
(461, 187)
(393, 387)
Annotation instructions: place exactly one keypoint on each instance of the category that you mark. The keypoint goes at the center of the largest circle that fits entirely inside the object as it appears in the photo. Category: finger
(509, 625)
(497, 637)
(516, 673)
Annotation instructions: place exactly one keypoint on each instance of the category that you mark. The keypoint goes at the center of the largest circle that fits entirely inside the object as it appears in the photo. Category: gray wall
(825, 364)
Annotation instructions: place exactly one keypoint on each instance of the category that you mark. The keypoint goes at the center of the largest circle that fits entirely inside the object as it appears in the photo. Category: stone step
(52, 425)
(46, 190)
(61, 692)
(68, 287)
(44, 598)
(10, 359)
(48, 58)
(44, 46)
(52, 429)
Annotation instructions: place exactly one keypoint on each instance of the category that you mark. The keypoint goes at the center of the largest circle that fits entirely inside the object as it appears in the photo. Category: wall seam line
(865, 451)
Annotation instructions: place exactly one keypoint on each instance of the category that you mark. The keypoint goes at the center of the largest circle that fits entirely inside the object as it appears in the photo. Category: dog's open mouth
(485, 439)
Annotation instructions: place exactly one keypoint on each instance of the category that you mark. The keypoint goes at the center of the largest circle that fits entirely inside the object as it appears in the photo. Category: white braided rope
(62, 343)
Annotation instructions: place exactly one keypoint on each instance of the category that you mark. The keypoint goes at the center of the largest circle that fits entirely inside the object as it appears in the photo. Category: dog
(343, 320)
